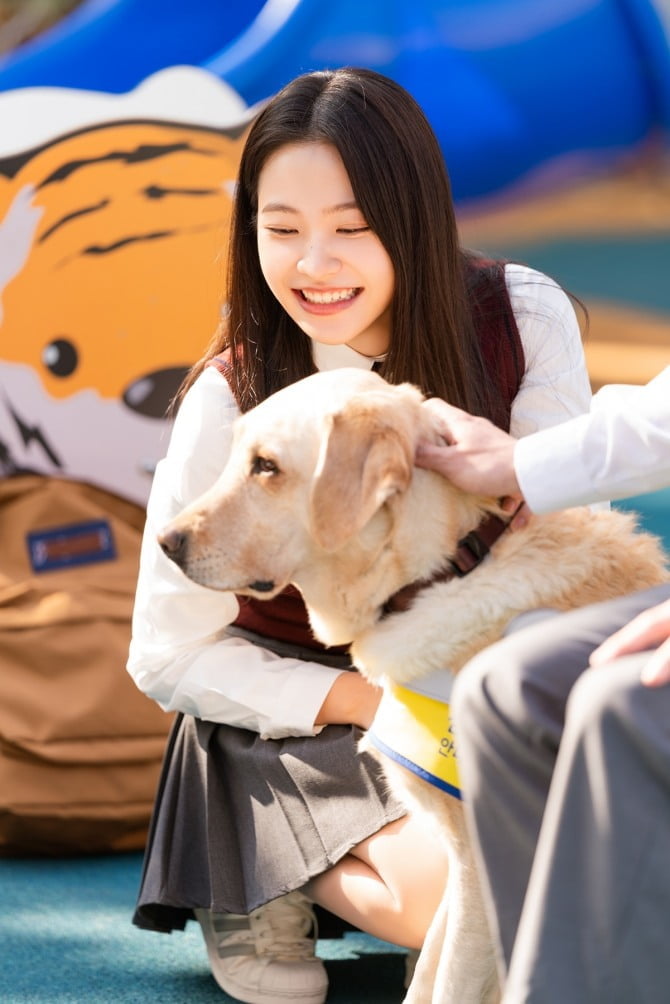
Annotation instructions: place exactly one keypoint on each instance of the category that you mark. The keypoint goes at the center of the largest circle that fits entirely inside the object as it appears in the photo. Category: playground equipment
(517, 91)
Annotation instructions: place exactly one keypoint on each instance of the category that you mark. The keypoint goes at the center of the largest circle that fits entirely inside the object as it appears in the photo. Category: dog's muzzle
(174, 544)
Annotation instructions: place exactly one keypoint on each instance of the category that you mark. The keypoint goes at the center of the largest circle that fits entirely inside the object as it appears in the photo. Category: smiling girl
(325, 265)
(344, 251)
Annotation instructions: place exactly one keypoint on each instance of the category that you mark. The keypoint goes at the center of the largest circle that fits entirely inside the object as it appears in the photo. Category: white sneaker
(268, 956)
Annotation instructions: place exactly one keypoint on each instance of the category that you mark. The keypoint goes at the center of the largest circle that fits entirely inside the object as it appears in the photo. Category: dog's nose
(173, 543)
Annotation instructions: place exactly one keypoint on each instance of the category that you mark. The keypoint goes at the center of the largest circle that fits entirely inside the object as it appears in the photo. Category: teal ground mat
(66, 937)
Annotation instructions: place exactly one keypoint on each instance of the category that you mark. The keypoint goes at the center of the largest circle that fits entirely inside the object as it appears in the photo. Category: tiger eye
(60, 357)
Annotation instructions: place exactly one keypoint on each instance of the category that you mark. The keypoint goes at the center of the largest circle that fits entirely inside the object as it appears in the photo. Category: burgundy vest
(284, 618)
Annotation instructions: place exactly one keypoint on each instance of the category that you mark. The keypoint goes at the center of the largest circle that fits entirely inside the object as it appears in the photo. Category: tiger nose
(151, 394)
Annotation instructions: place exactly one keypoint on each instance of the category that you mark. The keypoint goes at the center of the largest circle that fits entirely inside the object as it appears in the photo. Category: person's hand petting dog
(476, 456)
(650, 628)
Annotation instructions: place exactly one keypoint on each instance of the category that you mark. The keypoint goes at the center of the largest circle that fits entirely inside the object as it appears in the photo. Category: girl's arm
(350, 701)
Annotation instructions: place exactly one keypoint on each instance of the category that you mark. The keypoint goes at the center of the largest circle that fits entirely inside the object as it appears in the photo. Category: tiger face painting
(112, 274)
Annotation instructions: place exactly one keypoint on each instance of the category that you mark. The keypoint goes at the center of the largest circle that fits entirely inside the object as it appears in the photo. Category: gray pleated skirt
(240, 820)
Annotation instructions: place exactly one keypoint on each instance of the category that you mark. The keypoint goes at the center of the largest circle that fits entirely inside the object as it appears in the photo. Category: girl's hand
(650, 628)
(350, 701)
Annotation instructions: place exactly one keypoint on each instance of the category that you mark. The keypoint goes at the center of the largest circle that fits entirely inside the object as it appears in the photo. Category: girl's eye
(354, 230)
(263, 465)
(281, 231)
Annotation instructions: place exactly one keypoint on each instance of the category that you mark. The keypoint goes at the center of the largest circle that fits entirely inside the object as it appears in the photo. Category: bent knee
(472, 681)
(498, 683)
(606, 694)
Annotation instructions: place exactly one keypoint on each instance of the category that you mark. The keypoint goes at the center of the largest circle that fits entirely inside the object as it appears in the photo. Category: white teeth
(330, 295)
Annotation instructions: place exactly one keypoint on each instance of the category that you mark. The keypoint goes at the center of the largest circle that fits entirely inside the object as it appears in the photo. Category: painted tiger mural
(112, 266)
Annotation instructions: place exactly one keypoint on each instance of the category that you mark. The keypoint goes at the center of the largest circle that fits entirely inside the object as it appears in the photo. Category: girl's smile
(325, 301)
(328, 270)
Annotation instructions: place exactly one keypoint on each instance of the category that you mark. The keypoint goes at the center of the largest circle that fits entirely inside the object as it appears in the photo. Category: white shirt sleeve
(621, 448)
(179, 653)
(555, 386)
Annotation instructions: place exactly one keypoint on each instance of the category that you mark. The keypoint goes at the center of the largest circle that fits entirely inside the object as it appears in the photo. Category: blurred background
(20, 20)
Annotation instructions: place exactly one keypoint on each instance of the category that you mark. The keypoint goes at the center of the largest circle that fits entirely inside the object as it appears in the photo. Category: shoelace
(281, 929)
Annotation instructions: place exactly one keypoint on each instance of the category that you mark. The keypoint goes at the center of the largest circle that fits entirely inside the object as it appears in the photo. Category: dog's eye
(263, 465)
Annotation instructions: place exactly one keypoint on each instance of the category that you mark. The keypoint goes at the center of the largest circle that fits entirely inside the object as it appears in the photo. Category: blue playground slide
(515, 89)
(508, 85)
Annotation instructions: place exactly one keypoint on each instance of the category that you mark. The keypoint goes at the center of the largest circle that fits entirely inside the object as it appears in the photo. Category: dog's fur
(321, 491)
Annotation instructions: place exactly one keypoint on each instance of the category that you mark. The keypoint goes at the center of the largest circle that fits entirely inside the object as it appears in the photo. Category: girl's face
(330, 273)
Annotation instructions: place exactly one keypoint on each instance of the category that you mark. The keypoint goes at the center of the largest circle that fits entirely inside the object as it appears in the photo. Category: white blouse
(179, 653)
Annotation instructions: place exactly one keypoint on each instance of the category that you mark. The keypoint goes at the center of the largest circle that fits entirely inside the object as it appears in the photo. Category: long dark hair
(398, 176)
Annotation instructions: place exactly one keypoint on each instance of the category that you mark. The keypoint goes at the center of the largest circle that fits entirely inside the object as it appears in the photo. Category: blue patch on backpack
(74, 544)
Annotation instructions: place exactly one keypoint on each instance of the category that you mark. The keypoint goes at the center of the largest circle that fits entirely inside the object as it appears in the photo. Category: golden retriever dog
(321, 491)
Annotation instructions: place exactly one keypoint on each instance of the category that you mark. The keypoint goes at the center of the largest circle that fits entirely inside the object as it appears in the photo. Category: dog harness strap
(469, 554)
(416, 732)
(474, 547)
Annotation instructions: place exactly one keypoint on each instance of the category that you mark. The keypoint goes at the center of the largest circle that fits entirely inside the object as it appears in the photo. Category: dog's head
(309, 494)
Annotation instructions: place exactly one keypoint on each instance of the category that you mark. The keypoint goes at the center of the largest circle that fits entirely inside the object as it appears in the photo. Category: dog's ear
(362, 463)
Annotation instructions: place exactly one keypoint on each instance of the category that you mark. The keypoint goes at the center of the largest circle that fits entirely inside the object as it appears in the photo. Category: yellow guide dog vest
(415, 730)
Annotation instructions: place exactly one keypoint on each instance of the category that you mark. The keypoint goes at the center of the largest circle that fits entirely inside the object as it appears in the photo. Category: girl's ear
(362, 463)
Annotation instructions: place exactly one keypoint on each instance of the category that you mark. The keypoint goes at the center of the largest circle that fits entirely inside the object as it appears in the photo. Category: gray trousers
(566, 779)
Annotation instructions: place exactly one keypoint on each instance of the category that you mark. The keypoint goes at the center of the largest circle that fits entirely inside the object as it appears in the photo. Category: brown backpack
(80, 746)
